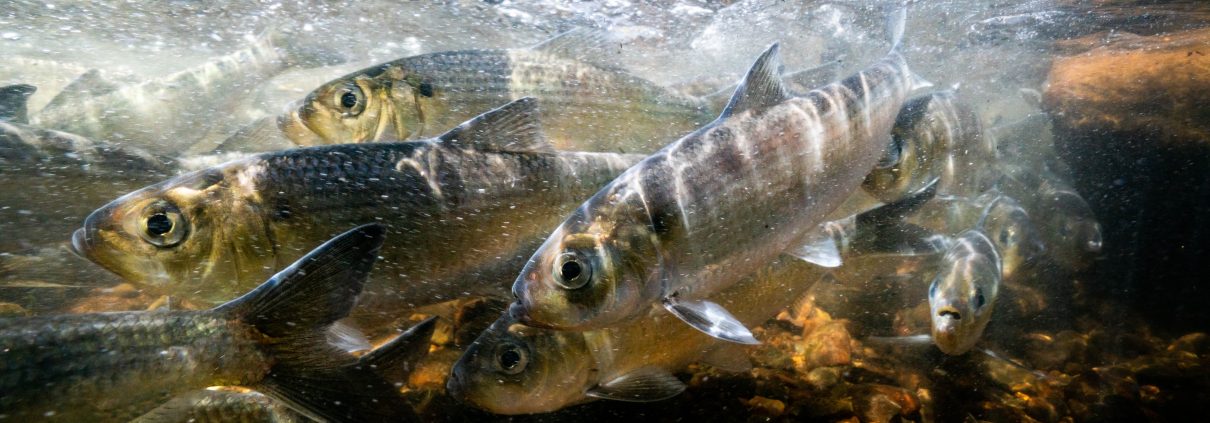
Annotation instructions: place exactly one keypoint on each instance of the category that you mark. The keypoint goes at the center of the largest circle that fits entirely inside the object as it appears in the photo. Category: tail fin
(396, 359)
(13, 99)
(295, 309)
(896, 23)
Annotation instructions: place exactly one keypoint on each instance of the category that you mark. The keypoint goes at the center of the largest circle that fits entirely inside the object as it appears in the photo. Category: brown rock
(766, 406)
(827, 345)
(1160, 82)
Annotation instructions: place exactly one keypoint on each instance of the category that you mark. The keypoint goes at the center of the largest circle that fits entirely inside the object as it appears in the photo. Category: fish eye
(979, 300)
(511, 359)
(426, 89)
(1004, 236)
(572, 270)
(351, 100)
(163, 225)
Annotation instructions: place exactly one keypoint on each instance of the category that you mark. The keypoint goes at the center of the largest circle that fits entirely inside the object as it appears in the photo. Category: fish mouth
(950, 313)
(292, 125)
(80, 243)
(518, 313)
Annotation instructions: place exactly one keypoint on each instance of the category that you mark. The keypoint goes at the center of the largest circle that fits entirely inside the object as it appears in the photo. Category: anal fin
(818, 247)
(645, 384)
(710, 318)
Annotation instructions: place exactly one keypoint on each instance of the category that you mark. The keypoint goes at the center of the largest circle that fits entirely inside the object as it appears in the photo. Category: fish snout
(519, 313)
(292, 125)
(455, 384)
(81, 243)
(949, 312)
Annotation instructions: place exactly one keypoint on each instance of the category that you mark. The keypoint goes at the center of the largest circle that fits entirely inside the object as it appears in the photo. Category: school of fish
(627, 229)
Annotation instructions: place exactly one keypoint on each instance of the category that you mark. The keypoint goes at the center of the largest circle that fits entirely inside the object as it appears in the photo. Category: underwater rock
(827, 345)
(1158, 83)
(1132, 118)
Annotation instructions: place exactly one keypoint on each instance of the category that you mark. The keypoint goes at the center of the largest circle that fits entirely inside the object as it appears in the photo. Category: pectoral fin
(646, 384)
(710, 318)
(818, 247)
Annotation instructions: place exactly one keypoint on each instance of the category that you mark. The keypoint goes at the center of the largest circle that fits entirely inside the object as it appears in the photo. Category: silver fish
(170, 114)
(464, 208)
(712, 207)
(963, 295)
(516, 369)
(116, 366)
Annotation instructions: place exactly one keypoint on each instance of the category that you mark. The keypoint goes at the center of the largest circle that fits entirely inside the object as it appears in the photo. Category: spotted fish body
(463, 212)
(713, 206)
(585, 107)
(74, 379)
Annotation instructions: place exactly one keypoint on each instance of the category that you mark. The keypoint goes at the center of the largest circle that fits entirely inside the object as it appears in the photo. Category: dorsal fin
(88, 85)
(511, 128)
(761, 87)
(583, 44)
(13, 101)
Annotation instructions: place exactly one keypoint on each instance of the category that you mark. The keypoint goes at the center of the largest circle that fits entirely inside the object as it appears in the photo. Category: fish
(462, 208)
(1066, 221)
(517, 369)
(221, 405)
(963, 295)
(713, 206)
(979, 260)
(169, 115)
(935, 137)
(1000, 216)
(52, 179)
(272, 339)
(394, 361)
(586, 107)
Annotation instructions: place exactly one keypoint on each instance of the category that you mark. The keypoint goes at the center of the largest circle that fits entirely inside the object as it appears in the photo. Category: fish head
(1014, 234)
(1072, 228)
(911, 160)
(516, 369)
(195, 236)
(365, 106)
(598, 268)
(963, 293)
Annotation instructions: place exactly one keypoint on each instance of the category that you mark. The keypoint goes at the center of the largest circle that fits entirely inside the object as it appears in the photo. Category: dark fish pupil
(159, 224)
(509, 359)
(348, 100)
(979, 299)
(570, 270)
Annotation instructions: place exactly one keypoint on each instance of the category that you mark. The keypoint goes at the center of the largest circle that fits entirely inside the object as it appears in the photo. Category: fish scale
(712, 207)
(486, 205)
(60, 355)
(586, 106)
(722, 209)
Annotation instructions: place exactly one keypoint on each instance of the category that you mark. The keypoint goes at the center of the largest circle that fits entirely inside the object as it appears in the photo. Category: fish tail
(896, 23)
(295, 309)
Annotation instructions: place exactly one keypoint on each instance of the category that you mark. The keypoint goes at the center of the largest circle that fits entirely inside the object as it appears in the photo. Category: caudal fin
(13, 99)
(295, 310)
